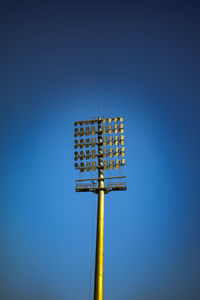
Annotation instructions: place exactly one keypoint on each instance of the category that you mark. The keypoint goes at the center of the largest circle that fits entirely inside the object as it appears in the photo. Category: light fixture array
(111, 136)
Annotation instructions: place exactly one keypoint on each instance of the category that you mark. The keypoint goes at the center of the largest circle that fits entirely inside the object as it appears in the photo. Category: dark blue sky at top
(58, 63)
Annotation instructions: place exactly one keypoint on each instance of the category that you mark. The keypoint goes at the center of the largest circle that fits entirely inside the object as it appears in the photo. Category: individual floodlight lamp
(97, 143)
(87, 142)
(117, 152)
(82, 166)
(88, 166)
(116, 140)
(122, 140)
(93, 153)
(111, 152)
(122, 151)
(87, 131)
(76, 155)
(110, 129)
(93, 142)
(81, 131)
(105, 162)
(117, 164)
(104, 129)
(110, 141)
(76, 132)
(87, 154)
(111, 165)
(123, 162)
(76, 144)
(115, 128)
(121, 128)
(105, 152)
(93, 130)
(104, 140)
(94, 166)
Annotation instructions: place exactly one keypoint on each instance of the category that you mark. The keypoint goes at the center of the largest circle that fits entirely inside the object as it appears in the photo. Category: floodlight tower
(107, 135)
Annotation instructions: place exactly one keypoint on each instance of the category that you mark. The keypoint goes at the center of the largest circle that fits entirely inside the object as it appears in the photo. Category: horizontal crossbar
(87, 121)
(116, 186)
(105, 189)
(96, 120)
(90, 179)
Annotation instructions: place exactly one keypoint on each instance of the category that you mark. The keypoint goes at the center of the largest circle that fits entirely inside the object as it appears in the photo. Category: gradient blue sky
(58, 63)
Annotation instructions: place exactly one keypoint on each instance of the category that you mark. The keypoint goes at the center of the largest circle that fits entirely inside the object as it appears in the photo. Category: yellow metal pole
(98, 285)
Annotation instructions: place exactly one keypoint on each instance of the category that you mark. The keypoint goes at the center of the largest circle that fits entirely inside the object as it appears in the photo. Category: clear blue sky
(58, 63)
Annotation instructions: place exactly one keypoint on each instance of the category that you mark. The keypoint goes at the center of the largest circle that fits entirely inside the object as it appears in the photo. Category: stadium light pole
(98, 285)
(102, 165)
